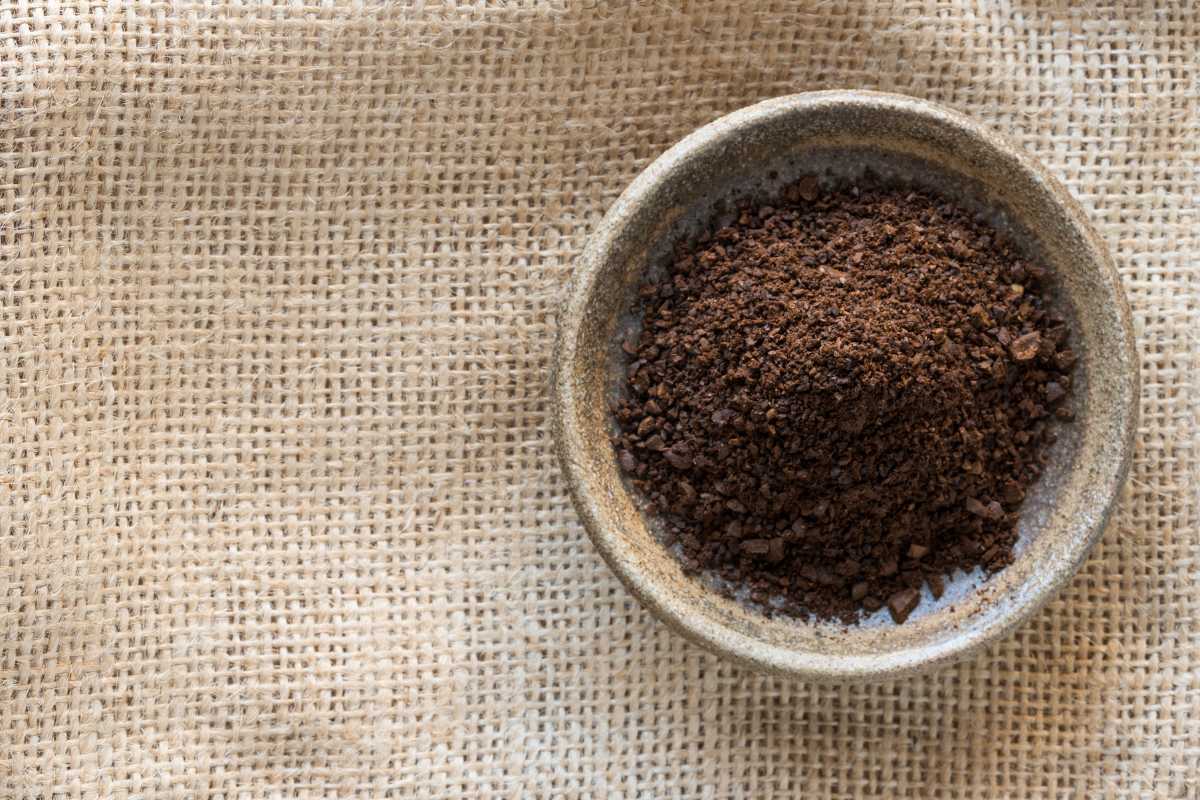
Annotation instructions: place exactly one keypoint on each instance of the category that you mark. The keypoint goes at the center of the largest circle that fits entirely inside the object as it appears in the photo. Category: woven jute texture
(279, 514)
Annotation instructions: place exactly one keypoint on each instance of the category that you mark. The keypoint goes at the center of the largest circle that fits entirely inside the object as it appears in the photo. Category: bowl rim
(722, 639)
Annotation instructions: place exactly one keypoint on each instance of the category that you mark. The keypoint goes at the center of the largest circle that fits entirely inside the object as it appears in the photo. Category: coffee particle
(775, 552)
(807, 188)
(679, 456)
(645, 426)
(1065, 360)
(902, 603)
(724, 416)
(1026, 347)
(756, 547)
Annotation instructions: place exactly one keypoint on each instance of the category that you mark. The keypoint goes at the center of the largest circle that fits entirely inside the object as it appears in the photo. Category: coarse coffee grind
(842, 396)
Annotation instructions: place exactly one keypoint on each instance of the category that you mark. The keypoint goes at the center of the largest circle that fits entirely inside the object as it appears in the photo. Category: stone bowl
(838, 135)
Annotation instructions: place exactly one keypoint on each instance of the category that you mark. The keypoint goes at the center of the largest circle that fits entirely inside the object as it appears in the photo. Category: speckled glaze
(837, 133)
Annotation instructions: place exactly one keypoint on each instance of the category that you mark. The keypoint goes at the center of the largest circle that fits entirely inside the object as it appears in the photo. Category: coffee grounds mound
(842, 396)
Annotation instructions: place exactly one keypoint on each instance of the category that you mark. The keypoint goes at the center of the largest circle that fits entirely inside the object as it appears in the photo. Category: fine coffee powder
(841, 397)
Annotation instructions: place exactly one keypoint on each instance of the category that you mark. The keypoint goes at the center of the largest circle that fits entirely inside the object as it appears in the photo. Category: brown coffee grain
(841, 396)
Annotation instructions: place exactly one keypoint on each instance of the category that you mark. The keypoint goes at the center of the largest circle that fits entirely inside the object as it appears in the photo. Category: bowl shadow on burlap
(993, 706)
(922, 724)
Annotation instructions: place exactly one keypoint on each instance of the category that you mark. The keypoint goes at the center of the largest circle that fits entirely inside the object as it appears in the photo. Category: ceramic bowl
(841, 134)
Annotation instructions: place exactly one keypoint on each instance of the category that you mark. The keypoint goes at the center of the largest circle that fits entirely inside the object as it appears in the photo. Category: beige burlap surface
(278, 510)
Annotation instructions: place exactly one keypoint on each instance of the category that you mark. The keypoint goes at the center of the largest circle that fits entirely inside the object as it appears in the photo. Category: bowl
(841, 134)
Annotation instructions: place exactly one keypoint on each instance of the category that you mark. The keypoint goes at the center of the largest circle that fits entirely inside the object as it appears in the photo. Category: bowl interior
(837, 137)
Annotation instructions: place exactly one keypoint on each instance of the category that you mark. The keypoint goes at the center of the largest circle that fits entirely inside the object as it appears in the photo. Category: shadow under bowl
(839, 136)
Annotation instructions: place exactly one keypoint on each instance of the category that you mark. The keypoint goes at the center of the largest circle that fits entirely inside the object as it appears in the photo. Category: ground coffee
(841, 396)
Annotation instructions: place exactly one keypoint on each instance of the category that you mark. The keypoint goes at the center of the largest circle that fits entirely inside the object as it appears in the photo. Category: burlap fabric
(278, 510)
